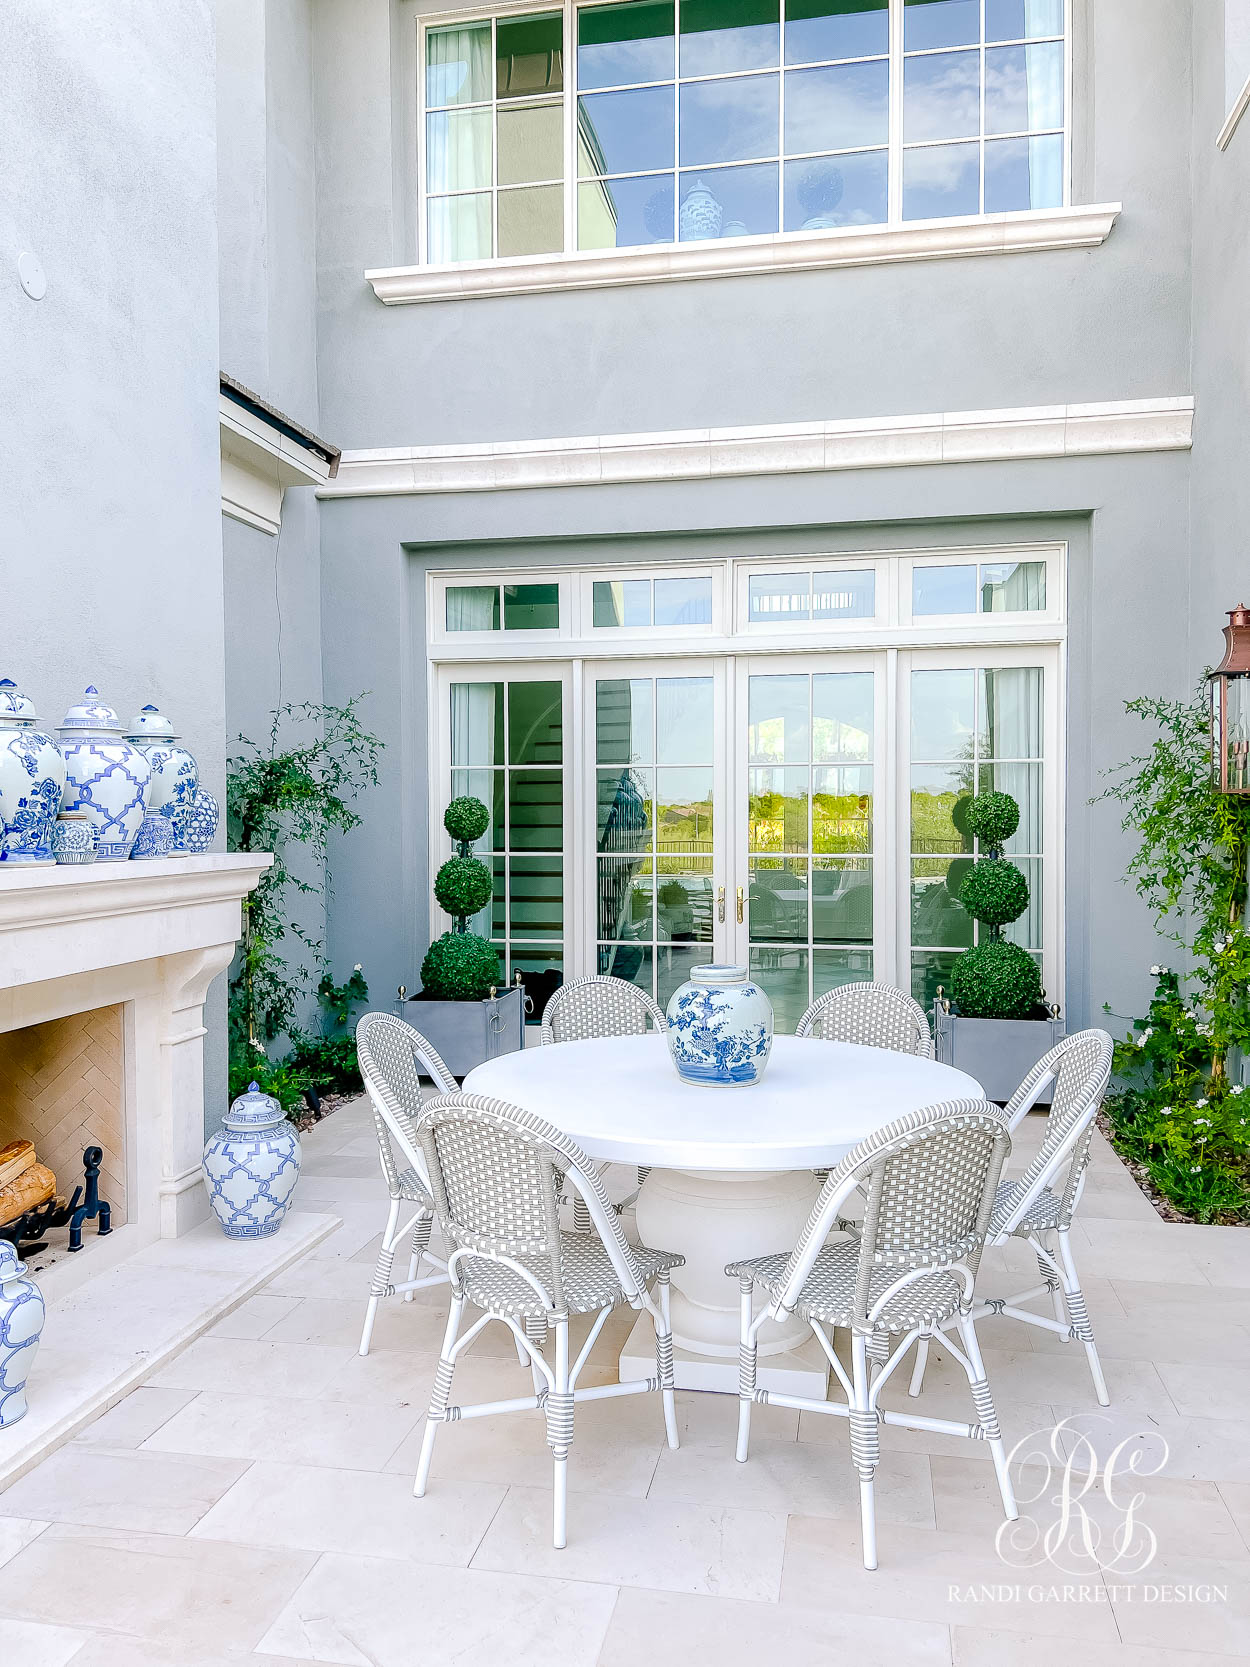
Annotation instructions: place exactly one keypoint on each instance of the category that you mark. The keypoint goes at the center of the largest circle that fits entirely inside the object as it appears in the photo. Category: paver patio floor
(252, 1502)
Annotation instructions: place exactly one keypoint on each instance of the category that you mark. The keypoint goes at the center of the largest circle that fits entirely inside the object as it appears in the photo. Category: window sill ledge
(734, 257)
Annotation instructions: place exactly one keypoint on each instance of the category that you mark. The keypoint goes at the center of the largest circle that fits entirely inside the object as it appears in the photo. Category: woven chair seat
(590, 1280)
(1044, 1211)
(829, 1291)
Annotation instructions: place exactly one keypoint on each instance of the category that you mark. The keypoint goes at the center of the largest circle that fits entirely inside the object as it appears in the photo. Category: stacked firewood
(25, 1183)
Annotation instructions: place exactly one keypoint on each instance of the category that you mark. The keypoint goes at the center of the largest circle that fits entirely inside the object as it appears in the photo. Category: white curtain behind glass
(458, 142)
(475, 743)
(1013, 720)
(1044, 78)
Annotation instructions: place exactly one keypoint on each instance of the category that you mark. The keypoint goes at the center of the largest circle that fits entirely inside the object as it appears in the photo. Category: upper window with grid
(690, 120)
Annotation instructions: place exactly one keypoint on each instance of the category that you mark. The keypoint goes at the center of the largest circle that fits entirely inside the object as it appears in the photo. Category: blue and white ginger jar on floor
(720, 1027)
(251, 1166)
(175, 773)
(32, 779)
(21, 1323)
(106, 775)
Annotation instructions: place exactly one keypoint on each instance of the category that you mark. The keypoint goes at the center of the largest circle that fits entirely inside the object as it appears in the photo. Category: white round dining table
(731, 1167)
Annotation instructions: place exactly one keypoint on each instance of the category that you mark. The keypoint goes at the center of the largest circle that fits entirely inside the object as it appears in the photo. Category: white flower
(1237, 1088)
(356, 968)
(1200, 1103)
(1221, 946)
(259, 1046)
(1155, 971)
(1145, 1036)
(1205, 1120)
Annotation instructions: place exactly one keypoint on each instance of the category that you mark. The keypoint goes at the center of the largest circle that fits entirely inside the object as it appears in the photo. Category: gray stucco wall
(110, 555)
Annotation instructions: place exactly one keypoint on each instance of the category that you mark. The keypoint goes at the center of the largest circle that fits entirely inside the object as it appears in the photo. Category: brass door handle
(739, 905)
(720, 903)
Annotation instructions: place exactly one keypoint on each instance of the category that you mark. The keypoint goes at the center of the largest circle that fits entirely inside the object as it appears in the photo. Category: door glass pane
(531, 222)
(625, 809)
(779, 731)
(937, 915)
(819, 30)
(542, 973)
(831, 968)
(625, 898)
(782, 973)
(1010, 712)
(841, 595)
(777, 810)
(624, 720)
(734, 120)
(777, 597)
(617, 602)
(847, 190)
(1024, 783)
(841, 901)
(846, 107)
(941, 180)
(535, 810)
(535, 729)
(683, 602)
(632, 961)
(536, 897)
(842, 717)
(529, 55)
(488, 786)
(531, 143)
(477, 723)
(457, 65)
(930, 23)
(625, 133)
(672, 969)
(938, 797)
(944, 590)
(684, 721)
(683, 812)
(778, 894)
(943, 713)
(1027, 931)
(842, 809)
(684, 899)
(617, 45)
(457, 150)
(719, 36)
(929, 970)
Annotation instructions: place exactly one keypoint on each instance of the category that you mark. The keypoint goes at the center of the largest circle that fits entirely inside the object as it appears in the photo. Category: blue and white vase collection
(175, 773)
(73, 838)
(251, 1166)
(21, 1325)
(154, 839)
(198, 823)
(720, 1027)
(32, 780)
(106, 775)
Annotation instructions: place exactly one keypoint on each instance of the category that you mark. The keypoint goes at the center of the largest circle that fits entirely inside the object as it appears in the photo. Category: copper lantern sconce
(1230, 706)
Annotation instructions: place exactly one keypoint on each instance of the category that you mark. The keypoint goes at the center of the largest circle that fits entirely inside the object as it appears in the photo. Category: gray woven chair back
(599, 1006)
(1081, 1068)
(495, 1175)
(393, 1058)
(928, 1181)
(874, 1015)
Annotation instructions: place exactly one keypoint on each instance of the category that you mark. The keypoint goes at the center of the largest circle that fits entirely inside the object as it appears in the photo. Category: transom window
(609, 125)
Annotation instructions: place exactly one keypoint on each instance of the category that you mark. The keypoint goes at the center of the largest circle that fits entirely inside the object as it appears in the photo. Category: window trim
(893, 239)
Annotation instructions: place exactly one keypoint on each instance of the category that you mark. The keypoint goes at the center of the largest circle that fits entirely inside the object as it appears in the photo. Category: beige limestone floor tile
(404, 1379)
(713, 1420)
(923, 1575)
(343, 1280)
(307, 1508)
(1221, 1625)
(977, 1647)
(123, 1650)
(113, 1487)
(672, 1547)
(616, 1447)
(1208, 1391)
(1108, 1249)
(134, 1419)
(344, 1164)
(1223, 1254)
(16, 1533)
(1236, 1495)
(1174, 1336)
(32, 1644)
(186, 1593)
(793, 1476)
(254, 1317)
(359, 1227)
(1186, 1518)
(333, 1433)
(1064, 1380)
(400, 1326)
(230, 1364)
(363, 1612)
(358, 1192)
(1199, 1449)
(672, 1629)
(1157, 1300)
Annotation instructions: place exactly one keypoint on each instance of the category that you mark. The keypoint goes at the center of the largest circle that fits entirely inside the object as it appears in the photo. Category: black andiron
(28, 1231)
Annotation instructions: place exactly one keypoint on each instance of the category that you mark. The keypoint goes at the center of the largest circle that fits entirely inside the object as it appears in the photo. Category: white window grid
(894, 147)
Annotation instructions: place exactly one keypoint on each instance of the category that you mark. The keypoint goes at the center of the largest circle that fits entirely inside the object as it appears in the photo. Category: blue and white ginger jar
(251, 1166)
(720, 1027)
(199, 826)
(32, 779)
(175, 773)
(106, 775)
(21, 1324)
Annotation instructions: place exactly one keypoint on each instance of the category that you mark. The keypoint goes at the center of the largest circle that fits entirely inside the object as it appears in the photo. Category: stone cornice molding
(1047, 431)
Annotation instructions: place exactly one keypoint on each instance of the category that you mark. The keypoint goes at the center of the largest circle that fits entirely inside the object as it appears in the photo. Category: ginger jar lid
(714, 975)
(253, 1110)
(91, 716)
(151, 725)
(15, 707)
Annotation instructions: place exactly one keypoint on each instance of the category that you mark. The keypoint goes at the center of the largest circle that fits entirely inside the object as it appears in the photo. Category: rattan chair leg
(380, 1284)
(560, 1432)
(917, 1372)
(865, 1445)
(748, 1359)
(438, 1395)
(986, 1412)
(1078, 1315)
(420, 1244)
(664, 1359)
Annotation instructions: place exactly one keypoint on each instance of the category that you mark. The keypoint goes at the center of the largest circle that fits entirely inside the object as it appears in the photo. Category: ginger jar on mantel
(251, 1166)
(21, 1324)
(175, 773)
(32, 778)
(106, 776)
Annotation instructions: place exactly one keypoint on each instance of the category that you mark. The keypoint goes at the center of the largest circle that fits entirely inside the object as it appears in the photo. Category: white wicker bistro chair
(929, 1182)
(874, 1015)
(599, 1006)
(496, 1173)
(1039, 1204)
(393, 1056)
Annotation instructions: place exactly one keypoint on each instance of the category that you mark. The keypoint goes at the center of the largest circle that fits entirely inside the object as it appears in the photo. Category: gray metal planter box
(999, 1053)
(465, 1033)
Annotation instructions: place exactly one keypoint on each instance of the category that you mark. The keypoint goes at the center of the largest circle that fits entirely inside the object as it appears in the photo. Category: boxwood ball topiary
(466, 818)
(996, 980)
(463, 886)
(459, 967)
(995, 892)
(992, 818)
